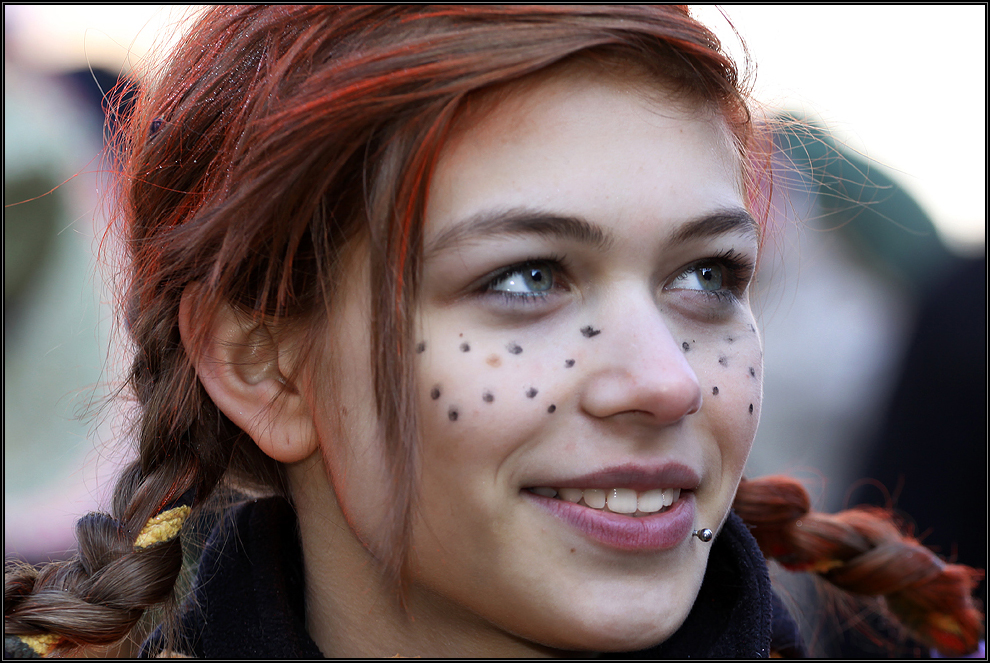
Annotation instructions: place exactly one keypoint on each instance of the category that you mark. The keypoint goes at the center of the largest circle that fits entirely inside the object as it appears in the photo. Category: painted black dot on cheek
(568, 363)
(590, 331)
(465, 347)
(751, 408)
(714, 391)
(686, 346)
(752, 372)
(452, 413)
(435, 392)
(724, 361)
(552, 409)
(513, 348)
(420, 347)
(531, 392)
(488, 397)
(730, 339)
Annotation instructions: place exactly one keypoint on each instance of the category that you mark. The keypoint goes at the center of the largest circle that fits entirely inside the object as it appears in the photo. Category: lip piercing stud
(705, 535)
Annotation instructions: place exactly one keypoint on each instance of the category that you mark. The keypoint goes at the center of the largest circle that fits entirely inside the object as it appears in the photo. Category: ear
(243, 369)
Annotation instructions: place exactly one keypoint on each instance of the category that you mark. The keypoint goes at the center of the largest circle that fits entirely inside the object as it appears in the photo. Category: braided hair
(862, 551)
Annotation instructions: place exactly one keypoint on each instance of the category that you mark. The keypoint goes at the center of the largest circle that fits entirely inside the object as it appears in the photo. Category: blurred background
(871, 296)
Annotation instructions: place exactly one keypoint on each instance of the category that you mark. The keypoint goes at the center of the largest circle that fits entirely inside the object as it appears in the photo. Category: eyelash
(557, 265)
(738, 270)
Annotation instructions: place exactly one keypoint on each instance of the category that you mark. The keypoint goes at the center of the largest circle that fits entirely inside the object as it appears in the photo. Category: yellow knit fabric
(41, 644)
(163, 527)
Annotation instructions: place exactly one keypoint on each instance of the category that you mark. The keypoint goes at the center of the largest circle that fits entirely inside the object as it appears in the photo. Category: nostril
(699, 401)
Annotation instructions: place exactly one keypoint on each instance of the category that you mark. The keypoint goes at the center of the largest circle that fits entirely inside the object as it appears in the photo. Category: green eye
(530, 279)
(709, 277)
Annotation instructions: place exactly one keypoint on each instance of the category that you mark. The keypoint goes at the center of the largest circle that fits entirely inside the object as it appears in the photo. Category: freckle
(730, 339)
(531, 392)
(513, 348)
(751, 408)
(573, 549)
(488, 397)
(452, 413)
(420, 347)
(686, 346)
(590, 331)
(494, 361)
(724, 361)
(435, 392)
(461, 335)
(752, 373)
(568, 363)
(465, 347)
(552, 409)
(714, 391)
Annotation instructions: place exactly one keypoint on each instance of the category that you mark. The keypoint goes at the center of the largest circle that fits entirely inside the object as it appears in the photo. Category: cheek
(485, 394)
(730, 370)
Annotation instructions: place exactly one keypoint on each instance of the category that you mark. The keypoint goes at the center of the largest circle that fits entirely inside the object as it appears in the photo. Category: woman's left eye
(722, 277)
(709, 277)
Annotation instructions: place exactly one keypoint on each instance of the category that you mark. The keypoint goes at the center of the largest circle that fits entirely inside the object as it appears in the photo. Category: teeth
(571, 494)
(619, 500)
(622, 500)
(650, 501)
(594, 498)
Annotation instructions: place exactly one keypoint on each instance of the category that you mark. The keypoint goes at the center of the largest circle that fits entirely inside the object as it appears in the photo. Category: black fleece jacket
(248, 597)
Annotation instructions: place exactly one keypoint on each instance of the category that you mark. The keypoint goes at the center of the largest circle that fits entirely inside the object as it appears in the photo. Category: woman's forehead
(582, 137)
(630, 77)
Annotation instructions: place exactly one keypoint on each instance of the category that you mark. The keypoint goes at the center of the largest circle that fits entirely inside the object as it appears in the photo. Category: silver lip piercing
(705, 535)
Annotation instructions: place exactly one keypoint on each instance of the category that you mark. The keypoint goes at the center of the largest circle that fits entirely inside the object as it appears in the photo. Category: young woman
(459, 295)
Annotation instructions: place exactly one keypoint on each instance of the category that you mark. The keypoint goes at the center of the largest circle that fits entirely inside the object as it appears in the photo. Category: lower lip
(661, 531)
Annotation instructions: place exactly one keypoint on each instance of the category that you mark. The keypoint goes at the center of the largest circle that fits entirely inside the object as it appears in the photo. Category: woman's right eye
(528, 281)
(533, 279)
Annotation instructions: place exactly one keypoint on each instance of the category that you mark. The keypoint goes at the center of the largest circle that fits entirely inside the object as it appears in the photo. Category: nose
(639, 369)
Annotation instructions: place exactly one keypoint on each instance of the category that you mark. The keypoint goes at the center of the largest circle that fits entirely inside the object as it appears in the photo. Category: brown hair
(274, 138)
(863, 551)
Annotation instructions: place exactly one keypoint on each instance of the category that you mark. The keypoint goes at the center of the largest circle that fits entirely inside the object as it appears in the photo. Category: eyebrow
(522, 221)
(728, 221)
(528, 221)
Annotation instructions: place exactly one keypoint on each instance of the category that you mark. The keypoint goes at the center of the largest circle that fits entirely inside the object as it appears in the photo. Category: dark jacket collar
(249, 598)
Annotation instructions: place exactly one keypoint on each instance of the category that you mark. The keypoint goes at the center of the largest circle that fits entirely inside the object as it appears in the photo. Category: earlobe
(242, 367)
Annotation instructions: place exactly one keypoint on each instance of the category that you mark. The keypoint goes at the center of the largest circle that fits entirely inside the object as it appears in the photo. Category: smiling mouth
(623, 501)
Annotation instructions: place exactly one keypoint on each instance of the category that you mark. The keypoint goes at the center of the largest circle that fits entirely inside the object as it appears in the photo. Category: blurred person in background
(57, 316)
(875, 361)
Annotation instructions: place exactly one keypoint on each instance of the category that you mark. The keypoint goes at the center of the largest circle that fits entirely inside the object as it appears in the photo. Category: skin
(493, 575)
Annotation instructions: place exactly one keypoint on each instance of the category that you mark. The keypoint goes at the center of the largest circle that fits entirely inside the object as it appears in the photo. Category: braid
(861, 551)
(98, 597)
(128, 561)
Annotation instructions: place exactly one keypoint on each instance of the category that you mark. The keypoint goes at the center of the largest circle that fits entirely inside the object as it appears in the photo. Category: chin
(615, 632)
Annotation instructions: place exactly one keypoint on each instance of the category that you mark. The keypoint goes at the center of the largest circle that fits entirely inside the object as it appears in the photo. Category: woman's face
(584, 334)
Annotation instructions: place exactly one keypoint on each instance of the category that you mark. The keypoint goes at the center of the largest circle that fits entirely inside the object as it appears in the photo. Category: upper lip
(632, 476)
